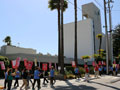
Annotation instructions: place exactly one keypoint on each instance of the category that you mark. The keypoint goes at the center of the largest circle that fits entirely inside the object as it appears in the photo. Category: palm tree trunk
(59, 33)
(100, 45)
(62, 40)
(75, 50)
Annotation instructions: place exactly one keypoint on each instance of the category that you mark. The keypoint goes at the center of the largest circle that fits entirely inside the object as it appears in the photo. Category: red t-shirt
(86, 69)
(96, 68)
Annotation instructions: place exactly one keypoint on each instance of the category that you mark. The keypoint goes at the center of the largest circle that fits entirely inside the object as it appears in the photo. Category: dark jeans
(38, 82)
(29, 79)
(9, 84)
(100, 72)
(45, 79)
(5, 82)
(110, 73)
(16, 82)
(116, 73)
(51, 80)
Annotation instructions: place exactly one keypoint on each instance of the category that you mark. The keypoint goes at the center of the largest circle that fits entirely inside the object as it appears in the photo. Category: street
(103, 83)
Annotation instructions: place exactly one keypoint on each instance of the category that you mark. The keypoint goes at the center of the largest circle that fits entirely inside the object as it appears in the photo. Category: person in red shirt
(96, 71)
(87, 74)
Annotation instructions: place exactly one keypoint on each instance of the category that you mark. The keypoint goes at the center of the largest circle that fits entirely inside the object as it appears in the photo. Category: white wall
(85, 39)
(15, 50)
(93, 12)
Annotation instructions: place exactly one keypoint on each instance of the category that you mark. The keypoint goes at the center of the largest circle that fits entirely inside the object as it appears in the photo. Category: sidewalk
(102, 83)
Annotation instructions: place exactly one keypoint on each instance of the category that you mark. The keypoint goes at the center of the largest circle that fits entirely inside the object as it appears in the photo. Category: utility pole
(106, 31)
(110, 30)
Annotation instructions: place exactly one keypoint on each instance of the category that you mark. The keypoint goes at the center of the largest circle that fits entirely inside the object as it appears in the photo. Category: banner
(73, 64)
(85, 66)
(50, 65)
(35, 60)
(44, 66)
(18, 62)
(104, 63)
(93, 63)
(114, 62)
(99, 63)
(13, 64)
(25, 62)
(2, 65)
(118, 66)
(59, 68)
(29, 65)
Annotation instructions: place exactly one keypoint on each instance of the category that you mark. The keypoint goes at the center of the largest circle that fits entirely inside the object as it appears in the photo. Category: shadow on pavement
(106, 85)
(73, 87)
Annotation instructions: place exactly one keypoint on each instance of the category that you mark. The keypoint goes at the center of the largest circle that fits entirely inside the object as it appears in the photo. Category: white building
(87, 29)
(16, 50)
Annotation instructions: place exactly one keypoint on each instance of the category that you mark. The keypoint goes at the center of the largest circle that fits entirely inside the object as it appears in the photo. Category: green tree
(6, 61)
(75, 45)
(100, 57)
(7, 40)
(56, 5)
(116, 41)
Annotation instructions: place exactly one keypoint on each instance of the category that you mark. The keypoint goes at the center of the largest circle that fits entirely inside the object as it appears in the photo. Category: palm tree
(53, 5)
(75, 45)
(7, 40)
(99, 36)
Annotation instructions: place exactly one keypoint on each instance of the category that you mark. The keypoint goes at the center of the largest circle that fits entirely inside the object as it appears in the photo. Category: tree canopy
(55, 4)
(116, 40)
(7, 40)
(5, 59)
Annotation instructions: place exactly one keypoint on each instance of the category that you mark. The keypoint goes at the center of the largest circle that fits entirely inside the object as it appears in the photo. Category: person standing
(111, 70)
(36, 78)
(86, 74)
(100, 70)
(114, 71)
(17, 76)
(104, 69)
(10, 78)
(45, 76)
(51, 76)
(6, 81)
(76, 72)
(96, 71)
(24, 76)
(29, 77)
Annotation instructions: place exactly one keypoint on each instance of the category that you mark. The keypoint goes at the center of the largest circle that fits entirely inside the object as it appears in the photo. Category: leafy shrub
(68, 72)
(91, 70)
(70, 69)
(81, 70)
(6, 61)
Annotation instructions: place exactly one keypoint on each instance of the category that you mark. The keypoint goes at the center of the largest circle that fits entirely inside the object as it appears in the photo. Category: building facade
(87, 30)
(14, 50)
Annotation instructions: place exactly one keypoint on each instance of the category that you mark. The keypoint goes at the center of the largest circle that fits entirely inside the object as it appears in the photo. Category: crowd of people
(26, 77)
(98, 71)
(32, 77)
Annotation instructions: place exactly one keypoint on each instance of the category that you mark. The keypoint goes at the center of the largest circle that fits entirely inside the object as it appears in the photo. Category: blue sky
(33, 25)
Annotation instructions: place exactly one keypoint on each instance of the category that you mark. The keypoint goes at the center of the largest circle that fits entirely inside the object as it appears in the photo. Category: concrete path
(103, 83)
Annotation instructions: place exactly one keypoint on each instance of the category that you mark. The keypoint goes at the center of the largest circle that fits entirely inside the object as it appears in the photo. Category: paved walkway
(103, 83)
